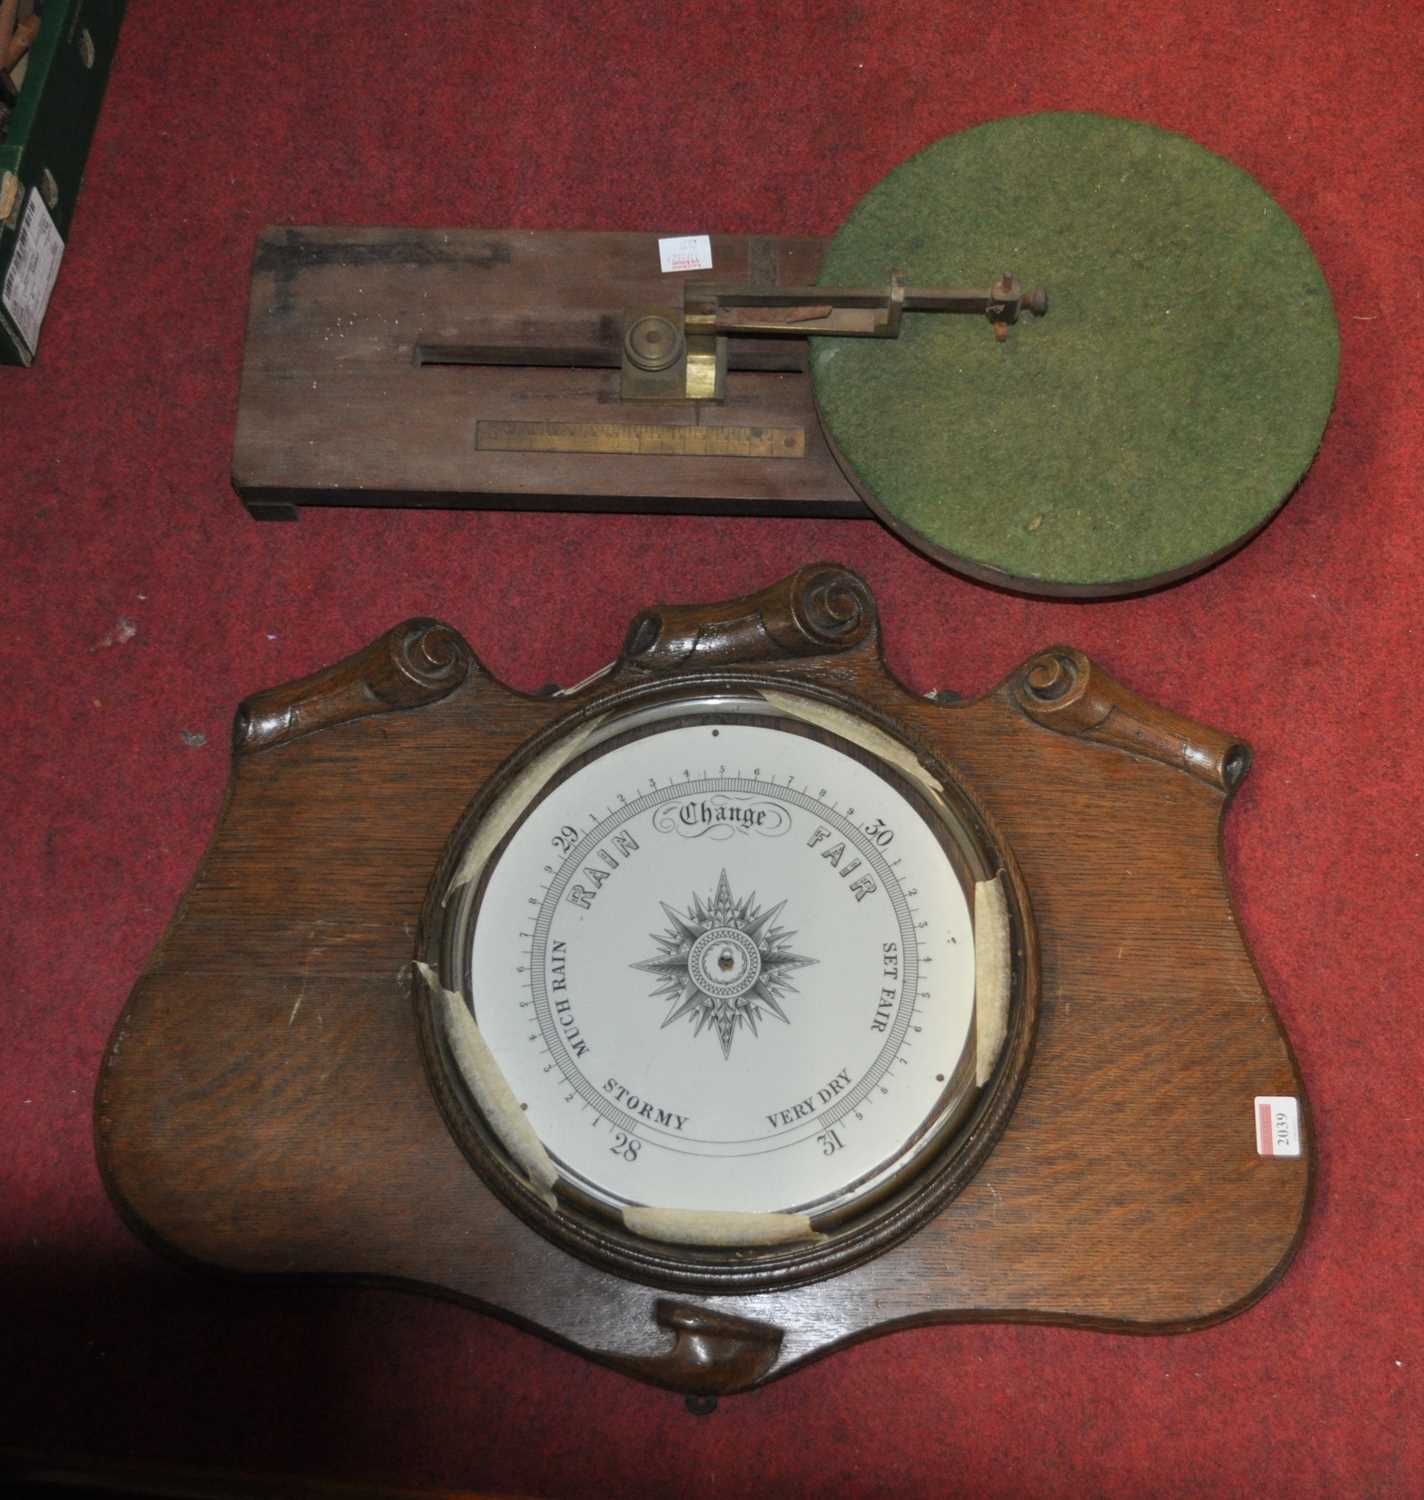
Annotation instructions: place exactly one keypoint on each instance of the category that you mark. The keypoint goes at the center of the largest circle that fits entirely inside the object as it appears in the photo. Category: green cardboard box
(42, 160)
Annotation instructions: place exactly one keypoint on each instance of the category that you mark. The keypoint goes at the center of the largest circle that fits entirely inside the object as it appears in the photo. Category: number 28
(625, 1146)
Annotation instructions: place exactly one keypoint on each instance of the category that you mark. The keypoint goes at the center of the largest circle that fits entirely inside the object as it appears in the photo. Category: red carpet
(142, 603)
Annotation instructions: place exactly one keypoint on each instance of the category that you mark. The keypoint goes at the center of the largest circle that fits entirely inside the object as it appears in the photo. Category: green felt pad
(1157, 417)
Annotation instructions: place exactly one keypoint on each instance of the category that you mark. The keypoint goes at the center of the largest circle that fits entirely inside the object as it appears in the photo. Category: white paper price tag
(1277, 1125)
(688, 252)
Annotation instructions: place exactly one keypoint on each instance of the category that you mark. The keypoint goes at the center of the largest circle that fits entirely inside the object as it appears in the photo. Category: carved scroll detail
(713, 1353)
(416, 663)
(1062, 690)
(818, 610)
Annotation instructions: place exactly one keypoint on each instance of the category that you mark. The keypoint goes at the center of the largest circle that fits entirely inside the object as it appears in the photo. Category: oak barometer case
(728, 1007)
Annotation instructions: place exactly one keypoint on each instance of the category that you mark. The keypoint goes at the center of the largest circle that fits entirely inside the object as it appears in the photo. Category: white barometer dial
(726, 964)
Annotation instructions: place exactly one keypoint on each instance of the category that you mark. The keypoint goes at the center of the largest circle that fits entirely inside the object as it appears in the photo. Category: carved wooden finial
(1062, 690)
(819, 609)
(418, 662)
(713, 1354)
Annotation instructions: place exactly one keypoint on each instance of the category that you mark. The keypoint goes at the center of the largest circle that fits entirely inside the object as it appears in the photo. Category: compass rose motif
(724, 964)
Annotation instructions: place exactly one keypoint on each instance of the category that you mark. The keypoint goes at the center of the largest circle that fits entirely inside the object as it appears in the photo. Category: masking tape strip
(992, 975)
(491, 1090)
(679, 1226)
(503, 815)
(856, 730)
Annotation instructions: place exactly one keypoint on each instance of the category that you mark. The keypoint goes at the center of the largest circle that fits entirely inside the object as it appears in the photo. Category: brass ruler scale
(659, 438)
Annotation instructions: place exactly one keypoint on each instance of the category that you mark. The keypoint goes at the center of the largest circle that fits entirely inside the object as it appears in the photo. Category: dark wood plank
(346, 398)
